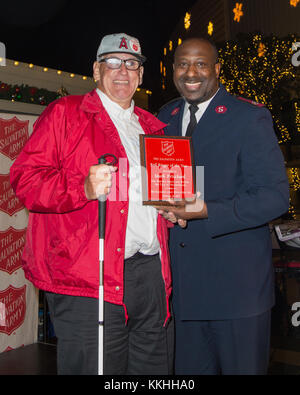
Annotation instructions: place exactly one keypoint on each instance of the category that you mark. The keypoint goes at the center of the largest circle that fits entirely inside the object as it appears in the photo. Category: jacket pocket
(64, 252)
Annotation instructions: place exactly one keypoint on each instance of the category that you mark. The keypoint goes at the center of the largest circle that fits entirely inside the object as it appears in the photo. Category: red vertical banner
(18, 297)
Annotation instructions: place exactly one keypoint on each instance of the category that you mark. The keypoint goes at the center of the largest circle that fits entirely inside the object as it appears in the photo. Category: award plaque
(168, 170)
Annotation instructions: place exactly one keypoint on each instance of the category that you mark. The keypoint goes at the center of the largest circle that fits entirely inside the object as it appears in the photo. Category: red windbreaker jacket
(61, 253)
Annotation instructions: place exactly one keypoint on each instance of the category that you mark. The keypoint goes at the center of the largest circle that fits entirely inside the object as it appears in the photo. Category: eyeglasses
(115, 63)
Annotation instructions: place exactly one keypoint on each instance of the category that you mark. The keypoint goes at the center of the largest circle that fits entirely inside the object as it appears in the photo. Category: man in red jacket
(57, 178)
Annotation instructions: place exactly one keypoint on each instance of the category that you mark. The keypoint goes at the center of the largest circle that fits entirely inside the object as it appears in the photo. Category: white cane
(101, 229)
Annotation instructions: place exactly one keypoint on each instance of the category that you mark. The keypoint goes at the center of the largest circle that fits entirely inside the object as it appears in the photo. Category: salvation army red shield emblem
(167, 148)
(12, 308)
(9, 203)
(12, 243)
(13, 136)
(175, 111)
(221, 109)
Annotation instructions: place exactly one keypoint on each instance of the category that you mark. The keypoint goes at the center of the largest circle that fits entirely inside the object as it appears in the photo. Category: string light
(238, 13)
(292, 210)
(261, 49)
(256, 71)
(294, 3)
(297, 110)
(187, 21)
(210, 28)
(294, 179)
(44, 69)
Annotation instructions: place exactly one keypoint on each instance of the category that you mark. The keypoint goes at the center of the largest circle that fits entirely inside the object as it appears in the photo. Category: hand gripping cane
(101, 229)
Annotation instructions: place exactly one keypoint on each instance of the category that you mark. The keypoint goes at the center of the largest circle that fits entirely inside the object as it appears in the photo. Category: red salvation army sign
(9, 203)
(13, 136)
(12, 308)
(12, 243)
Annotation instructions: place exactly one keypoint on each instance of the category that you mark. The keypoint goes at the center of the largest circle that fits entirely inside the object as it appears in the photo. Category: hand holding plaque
(168, 171)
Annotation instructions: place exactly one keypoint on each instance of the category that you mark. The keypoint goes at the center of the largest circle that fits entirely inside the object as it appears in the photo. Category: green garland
(28, 94)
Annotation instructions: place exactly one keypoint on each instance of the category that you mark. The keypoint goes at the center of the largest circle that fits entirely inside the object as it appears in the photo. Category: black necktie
(193, 121)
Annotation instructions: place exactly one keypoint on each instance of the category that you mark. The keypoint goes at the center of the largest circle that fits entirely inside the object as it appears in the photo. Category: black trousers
(229, 347)
(142, 347)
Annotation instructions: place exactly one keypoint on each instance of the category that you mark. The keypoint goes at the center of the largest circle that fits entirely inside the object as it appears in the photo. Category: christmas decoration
(210, 28)
(187, 21)
(297, 110)
(29, 94)
(260, 68)
(261, 50)
(238, 13)
(62, 92)
(294, 3)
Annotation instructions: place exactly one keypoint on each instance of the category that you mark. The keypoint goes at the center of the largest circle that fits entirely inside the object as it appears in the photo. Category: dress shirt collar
(114, 109)
(201, 108)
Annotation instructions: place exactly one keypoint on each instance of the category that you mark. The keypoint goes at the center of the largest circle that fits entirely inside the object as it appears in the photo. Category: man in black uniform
(221, 263)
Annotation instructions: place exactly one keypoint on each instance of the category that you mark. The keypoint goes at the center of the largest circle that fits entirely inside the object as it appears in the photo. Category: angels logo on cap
(123, 43)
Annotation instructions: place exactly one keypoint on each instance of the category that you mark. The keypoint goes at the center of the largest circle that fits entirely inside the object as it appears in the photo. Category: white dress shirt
(201, 110)
(142, 220)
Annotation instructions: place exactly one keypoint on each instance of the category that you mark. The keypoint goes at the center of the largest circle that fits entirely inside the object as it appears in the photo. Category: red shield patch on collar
(175, 111)
(221, 109)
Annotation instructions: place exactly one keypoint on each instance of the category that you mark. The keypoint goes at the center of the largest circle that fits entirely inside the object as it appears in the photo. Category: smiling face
(196, 72)
(120, 84)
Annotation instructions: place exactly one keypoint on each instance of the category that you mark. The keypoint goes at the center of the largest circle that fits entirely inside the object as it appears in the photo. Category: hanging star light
(238, 13)
(187, 21)
(210, 28)
(294, 3)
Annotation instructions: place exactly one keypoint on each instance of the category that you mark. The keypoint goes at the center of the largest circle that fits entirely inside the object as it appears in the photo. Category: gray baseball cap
(120, 43)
